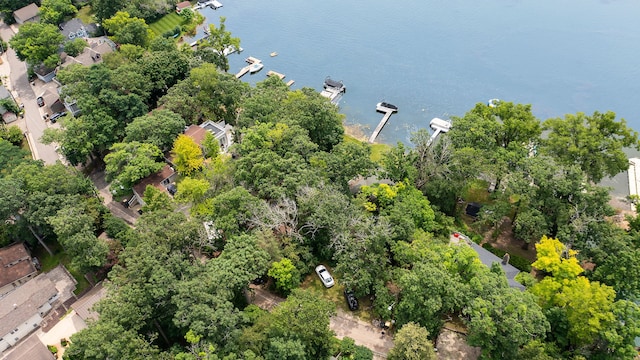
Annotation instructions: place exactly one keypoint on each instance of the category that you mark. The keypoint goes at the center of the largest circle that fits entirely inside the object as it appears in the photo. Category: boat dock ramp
(273, 73)
(333, 90)
(388, 110)
(634, 179)
(251, 60)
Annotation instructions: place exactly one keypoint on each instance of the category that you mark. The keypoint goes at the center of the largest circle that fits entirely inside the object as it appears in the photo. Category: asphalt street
(33, 122)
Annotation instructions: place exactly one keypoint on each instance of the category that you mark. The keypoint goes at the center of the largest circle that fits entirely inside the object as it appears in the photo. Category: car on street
(40, 101)
(324, 275)
(352, 302)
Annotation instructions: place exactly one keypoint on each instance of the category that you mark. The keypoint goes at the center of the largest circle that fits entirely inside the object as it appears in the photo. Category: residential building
(220, 131)
(52, 101)
(30, 348)
(27, 13)
(16, 268)
(92, 54)
(182, 5)
(488, 259)
(75, 28)
(22, 310)
(162, 180)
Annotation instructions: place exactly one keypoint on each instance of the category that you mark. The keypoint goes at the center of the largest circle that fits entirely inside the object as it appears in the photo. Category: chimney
(505, 259)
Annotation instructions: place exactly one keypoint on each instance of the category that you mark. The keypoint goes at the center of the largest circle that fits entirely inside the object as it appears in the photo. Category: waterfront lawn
(377, 150)
(166, 23)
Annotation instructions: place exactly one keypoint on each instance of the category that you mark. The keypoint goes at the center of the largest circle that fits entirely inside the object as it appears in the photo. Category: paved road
(35, 126)
(343, 324)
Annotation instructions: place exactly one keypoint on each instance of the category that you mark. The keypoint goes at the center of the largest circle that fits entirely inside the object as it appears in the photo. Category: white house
(23, 309)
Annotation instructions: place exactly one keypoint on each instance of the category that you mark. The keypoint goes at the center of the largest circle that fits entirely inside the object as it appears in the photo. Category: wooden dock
(273, 73)
(243, 72)
(387, 114)
(290, 82)
(251, 60)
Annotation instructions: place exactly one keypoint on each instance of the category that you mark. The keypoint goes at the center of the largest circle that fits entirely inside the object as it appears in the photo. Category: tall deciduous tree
(55, 11)
(504, 321)
(128, 30)
(129, 162)
(595, 143)
(159, 128)
(220, 39)
(36, 42)
(187, 155)
(412, 343)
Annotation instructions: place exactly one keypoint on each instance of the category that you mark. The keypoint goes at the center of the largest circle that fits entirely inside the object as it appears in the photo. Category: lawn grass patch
(48, 262)
(477, 191)
(166, 23)
(377, 150)
(86, 15)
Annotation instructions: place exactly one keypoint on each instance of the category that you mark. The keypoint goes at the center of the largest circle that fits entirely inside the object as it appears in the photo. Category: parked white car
(324, 275)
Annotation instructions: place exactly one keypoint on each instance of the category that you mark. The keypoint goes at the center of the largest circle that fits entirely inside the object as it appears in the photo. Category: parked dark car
(40, 101)
(352, 302)
(56, 116)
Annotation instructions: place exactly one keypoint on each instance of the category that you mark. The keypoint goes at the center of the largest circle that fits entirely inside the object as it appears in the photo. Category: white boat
(493, 102)
(255, 67)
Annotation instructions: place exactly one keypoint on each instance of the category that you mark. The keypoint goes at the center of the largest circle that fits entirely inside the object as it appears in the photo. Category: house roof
(196, 133)
(15, 263)
(488, 258)
(217, 129)
(91, 54)
(30, 349)
(154, 180)
(22, 303)
(27, 12)
(83, 306)
(75, 28)
(183, 5)
(4, 93)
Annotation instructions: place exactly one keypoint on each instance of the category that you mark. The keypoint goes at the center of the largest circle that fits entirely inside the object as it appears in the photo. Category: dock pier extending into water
(634, 179)
(388, 110)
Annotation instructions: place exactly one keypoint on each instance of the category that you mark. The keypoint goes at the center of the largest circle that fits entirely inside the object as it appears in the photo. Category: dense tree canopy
(36, 42)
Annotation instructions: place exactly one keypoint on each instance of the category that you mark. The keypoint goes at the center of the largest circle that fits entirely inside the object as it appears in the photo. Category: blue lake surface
(439, 58)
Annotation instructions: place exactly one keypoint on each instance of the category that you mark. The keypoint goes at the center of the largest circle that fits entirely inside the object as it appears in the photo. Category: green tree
(10, 156)
(75, 232)
(192, 190)
(218, 94)
(595, 143)
(55, 11)
(75, 46)
(307, 109)
(283, 349)
(232, 211)
(304, 317)
(412, 343)
(504, 321)
(129, 162)
(128, 30)
(211, 146)
(187, 155)
(159, 128)
(398, 164)
(104, 9)
(219, 40)
(286, 275)
(36, 42)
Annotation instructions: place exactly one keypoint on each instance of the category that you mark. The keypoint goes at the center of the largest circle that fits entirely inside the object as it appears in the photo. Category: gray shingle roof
(22, 303)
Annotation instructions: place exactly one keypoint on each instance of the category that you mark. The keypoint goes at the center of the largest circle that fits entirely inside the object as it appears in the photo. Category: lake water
(439, 58)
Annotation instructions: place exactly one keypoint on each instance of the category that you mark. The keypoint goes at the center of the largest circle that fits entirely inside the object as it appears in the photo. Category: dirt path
(343, 324)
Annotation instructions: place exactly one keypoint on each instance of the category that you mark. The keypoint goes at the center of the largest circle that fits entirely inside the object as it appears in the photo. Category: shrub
(75, 47)
(53, 349)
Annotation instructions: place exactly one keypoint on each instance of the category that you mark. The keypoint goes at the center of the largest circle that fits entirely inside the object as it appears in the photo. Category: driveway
(34, 125)
(343, 324)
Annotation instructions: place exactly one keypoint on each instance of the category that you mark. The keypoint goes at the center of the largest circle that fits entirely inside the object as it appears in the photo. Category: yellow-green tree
(555, 258)
(187, 155)
(583, 314)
